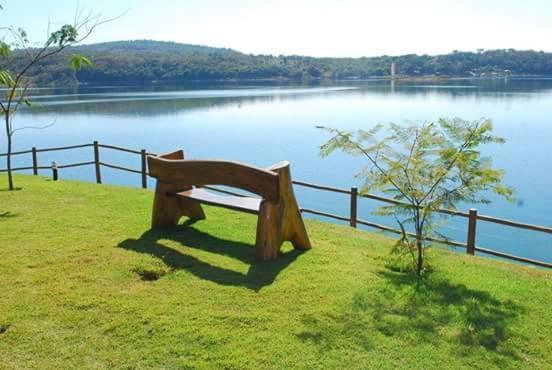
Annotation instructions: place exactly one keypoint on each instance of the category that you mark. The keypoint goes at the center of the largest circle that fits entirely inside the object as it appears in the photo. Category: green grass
(86, 284)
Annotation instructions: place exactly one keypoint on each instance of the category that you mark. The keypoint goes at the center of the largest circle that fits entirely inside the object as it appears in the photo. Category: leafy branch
(425, 167)
(15, 82)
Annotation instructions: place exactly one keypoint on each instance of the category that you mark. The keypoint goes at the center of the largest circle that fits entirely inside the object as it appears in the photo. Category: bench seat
(182, 188)
(243, 204)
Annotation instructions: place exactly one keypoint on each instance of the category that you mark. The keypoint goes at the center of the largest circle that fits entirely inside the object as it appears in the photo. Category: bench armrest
(177, 154)
(278, 166)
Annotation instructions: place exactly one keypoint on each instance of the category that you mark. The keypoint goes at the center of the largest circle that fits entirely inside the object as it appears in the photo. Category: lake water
(264, 124)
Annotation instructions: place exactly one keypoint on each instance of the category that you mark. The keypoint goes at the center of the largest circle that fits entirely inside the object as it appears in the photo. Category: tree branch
(34, 127)
(458, 152)
(375, 164)
(405, 168)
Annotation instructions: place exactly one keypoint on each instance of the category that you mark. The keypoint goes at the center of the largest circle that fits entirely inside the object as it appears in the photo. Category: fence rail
(353, 220)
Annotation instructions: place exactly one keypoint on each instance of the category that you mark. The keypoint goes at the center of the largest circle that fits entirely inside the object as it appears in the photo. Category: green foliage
(425, 167)
(22, 35)
(71, 300)
(78, 61)
(147, 61)
(65, 35)
(403, 254)
(5, 49)
(6, 79)
(151, 269)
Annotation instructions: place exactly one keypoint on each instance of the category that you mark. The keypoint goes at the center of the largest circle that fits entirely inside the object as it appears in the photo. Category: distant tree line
(153, 61)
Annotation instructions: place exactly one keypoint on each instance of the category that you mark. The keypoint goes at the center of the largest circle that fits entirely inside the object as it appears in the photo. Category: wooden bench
(179, 193)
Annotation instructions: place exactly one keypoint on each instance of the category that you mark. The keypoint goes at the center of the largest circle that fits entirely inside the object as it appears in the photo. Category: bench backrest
(171, 168)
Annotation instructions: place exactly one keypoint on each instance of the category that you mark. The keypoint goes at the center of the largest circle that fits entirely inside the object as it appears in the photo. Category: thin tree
(424, 167)
(15, 41)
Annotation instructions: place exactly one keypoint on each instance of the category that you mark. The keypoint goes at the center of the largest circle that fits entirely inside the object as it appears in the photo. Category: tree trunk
(419, 246)
(8, 158)
(419, 241)
(10, 177)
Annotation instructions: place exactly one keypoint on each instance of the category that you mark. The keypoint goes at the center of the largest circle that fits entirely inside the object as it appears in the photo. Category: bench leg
(191, 209)
(293, 227)
(269, 232)
(296, 231)
(167, 210)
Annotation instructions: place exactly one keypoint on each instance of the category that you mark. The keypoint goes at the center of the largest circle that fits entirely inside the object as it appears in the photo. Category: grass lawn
(84, 283)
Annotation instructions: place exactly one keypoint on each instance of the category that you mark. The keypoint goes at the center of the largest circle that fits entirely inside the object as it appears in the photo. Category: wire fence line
(472, 216)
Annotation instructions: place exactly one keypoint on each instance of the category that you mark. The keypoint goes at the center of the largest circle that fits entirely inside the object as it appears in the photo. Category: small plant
(424, 167)
(15, 44)
(151, 269)
(4, 328)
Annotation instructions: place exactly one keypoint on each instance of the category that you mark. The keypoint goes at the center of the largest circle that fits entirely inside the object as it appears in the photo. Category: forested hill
(153, 61)
(151, 47)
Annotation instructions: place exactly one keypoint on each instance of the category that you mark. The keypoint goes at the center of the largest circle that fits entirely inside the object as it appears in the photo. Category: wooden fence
(353, 193)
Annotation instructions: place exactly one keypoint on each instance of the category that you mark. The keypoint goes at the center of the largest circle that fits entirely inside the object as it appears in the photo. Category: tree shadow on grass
(6, 215)
(334, 331)
(14, 189)
(423, 310)
(427, 305)
(259, 275)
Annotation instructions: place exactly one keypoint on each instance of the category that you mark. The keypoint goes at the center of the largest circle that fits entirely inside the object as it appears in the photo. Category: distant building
(393, 70)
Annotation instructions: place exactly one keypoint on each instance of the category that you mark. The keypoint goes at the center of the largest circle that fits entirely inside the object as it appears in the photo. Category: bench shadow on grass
(425, 310)
(259, 275)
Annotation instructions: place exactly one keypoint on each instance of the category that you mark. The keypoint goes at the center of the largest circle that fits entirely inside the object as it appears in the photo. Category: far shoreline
(309, 81)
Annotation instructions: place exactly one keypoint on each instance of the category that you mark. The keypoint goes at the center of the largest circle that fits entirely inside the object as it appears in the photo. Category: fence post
(55, 171)
(97, 162)
(35, 162)
(144, 172)
(472, 224)
(354, 197)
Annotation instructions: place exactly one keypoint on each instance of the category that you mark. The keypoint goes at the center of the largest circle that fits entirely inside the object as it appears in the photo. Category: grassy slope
(76, 258)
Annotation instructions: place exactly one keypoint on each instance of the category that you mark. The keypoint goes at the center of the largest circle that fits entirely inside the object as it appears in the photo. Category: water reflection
(155, 100)
(265, 123)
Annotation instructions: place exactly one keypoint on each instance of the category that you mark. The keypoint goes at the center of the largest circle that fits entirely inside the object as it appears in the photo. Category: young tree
(425, 167)
(15, 82)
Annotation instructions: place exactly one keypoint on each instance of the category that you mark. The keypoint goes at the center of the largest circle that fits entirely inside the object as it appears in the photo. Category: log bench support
(178, 193)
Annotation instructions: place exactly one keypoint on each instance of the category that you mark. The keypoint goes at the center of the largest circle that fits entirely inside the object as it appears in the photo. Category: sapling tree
(15, 44)
(424, 167)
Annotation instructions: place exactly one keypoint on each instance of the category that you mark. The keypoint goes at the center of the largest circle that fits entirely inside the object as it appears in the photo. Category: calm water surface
(264, 124)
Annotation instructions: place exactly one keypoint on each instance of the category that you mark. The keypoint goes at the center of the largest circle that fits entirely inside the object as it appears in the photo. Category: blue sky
(307, 27)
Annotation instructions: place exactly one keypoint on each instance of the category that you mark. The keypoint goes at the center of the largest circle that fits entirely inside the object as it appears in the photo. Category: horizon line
(475, 50)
